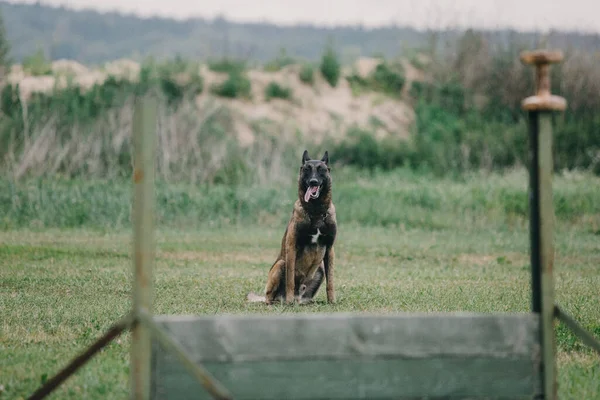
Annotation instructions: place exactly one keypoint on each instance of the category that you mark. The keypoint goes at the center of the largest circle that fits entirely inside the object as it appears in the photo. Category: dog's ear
(325, 158)
(305, 157)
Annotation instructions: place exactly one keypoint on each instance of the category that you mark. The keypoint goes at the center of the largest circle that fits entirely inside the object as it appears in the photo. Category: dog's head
(315, 178)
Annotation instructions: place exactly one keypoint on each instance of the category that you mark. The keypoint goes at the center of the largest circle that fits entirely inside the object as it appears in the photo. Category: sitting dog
(306, 256)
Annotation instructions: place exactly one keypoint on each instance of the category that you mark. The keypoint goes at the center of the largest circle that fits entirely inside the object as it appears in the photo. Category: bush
(357, 83)
(273, 89)
(236, 86)
(306, 74)
(419, 89)
(330, 66)
(388, 78)
(175, 90)
(37, 65)
(385, 78)
(227, 65)
(178, 79)
(360, 148)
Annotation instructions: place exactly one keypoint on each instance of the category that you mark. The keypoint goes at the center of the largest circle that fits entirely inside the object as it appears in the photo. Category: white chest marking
(315, 237)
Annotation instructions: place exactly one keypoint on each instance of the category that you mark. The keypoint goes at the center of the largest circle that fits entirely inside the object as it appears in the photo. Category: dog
(307, 252)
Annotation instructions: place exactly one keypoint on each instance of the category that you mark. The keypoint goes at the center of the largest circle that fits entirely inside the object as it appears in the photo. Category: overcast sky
(581, 15)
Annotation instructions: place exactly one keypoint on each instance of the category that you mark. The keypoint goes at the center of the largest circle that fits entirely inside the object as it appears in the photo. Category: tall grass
(401, 198)
(194, 146)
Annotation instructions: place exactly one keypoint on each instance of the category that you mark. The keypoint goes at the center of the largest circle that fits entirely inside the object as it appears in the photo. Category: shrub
(175, 90)
(384, 78)
(306, 74)
(227, 65)
(360, 148)
(330, 66)
(358, 84)
(388, 78)
(177, 79)
(419, 89)
(237, 85)
(273, 89)
(37, 65)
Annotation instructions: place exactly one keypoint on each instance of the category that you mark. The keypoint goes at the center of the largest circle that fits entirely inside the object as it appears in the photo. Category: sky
(538, 15)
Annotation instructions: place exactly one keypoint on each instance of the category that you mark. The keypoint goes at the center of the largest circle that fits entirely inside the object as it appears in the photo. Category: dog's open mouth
(312, 193)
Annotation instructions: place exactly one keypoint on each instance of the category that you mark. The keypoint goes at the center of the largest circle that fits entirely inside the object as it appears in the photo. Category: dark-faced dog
(306, 256)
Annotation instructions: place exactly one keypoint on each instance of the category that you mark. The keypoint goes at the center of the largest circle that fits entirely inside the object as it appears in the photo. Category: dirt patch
(488, 259)
(364, 66)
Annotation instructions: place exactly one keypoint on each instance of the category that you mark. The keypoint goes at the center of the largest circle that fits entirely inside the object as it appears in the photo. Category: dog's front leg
(290, 264)
(329, 262)
(290, 274)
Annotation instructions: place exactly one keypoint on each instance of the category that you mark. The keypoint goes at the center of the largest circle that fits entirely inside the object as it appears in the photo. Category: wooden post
(144, 144)
(540, 108)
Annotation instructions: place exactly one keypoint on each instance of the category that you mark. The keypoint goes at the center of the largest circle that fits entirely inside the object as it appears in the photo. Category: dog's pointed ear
(325, 158)
(305, 157)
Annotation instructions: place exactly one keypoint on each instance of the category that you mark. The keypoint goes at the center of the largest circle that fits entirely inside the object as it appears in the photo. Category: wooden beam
(114, 331)
(540, 108)
(542, 249)
(586, 337)
(144, 143)
(351, 356)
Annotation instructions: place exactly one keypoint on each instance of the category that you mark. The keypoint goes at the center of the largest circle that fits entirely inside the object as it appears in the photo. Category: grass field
(63, 284)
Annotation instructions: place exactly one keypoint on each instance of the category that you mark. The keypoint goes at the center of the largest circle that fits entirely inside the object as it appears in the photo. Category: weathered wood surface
(542, 246)
(540, 107)
(144, 146)
(173, 347)
(344, 356)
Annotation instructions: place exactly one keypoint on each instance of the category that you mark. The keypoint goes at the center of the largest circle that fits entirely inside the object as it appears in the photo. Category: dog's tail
(254, 298)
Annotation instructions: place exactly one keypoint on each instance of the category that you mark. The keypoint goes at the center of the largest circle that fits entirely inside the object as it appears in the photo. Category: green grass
(448, 246)
(400, 198)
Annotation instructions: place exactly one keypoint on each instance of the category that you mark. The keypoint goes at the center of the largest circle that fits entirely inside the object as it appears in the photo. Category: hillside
(226, 120)
(92, 37)
(314, 109)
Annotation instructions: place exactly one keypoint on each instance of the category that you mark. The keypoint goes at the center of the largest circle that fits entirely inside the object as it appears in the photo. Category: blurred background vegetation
(67, 144)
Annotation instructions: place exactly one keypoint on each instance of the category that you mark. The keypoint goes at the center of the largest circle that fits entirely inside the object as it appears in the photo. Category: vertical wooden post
(144, 144)
(540, 108)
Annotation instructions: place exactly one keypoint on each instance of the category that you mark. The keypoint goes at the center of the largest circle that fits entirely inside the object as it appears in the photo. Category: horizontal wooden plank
(453, 378)
(353, 355)
(293, 336)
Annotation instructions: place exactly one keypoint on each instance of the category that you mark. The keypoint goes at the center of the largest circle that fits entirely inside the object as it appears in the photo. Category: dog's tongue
(311, 190)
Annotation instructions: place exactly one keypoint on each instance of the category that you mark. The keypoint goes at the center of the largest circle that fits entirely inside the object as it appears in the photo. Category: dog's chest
(313, 235)
(314, 239)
